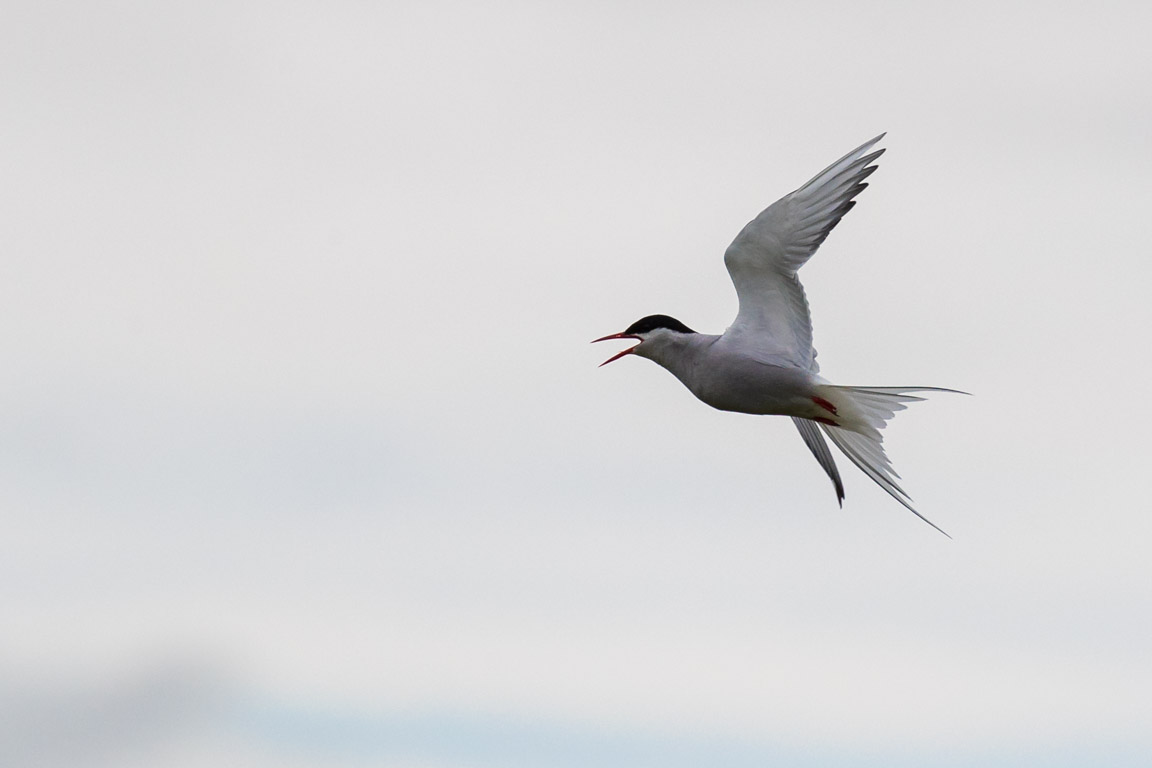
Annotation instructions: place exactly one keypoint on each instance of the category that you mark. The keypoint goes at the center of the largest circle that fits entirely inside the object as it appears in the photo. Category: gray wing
(815, 442)
(765, 256)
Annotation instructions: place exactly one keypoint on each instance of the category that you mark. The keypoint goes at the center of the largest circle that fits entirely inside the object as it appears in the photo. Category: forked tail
(858, 415)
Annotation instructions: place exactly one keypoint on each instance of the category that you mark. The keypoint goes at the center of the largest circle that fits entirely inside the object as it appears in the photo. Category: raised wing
(765, 256)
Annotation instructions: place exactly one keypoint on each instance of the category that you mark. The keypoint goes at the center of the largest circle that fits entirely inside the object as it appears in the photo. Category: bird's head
(654, 332)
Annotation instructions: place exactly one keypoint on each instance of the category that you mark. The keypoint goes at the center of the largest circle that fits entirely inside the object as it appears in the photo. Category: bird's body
(719, 371)
(764, 363)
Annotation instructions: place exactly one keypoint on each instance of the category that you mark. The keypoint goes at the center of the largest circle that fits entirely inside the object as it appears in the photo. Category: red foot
(825, 405)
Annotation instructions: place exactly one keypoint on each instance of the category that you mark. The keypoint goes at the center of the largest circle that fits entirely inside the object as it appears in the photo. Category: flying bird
(764, 362)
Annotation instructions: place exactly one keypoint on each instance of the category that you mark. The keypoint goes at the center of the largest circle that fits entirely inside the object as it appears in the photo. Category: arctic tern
(764, 362)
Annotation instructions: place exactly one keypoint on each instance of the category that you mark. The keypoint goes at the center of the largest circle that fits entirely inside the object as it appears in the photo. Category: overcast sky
(305, 458)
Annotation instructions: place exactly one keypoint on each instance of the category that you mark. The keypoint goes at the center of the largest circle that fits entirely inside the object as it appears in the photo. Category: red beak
(618, 355)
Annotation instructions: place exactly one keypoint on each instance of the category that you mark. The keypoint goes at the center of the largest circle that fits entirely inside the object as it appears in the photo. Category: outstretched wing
(765, 256)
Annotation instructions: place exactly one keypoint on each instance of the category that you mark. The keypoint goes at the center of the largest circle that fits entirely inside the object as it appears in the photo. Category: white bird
(764, 362)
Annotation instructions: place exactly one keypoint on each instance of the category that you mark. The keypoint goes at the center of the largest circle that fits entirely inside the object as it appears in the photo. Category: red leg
(825, 405)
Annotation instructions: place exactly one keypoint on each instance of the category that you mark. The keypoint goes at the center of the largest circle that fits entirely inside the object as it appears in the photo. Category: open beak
(618, 355)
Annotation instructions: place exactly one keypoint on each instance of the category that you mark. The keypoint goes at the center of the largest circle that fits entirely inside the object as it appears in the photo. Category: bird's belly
(750, 386)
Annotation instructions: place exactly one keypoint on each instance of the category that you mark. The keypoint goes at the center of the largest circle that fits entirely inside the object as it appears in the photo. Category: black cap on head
(652, 322)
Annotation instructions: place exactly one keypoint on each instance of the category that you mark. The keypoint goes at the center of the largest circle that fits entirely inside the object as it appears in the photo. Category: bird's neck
(682, 354)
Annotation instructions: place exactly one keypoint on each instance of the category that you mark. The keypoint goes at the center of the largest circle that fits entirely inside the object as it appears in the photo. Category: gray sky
(305, 458)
